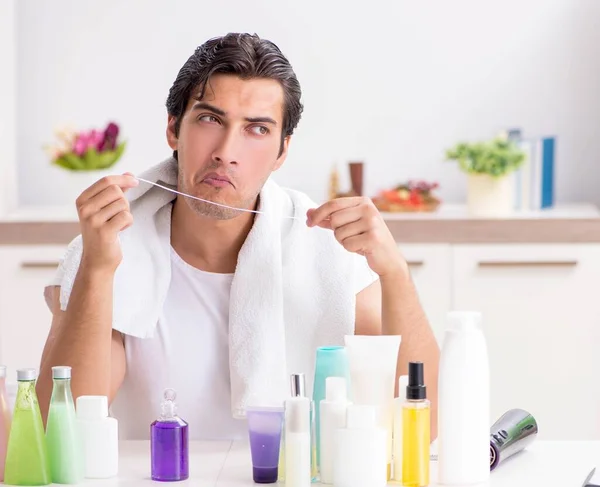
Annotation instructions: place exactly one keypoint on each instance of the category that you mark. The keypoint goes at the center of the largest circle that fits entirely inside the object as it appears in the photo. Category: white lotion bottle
(464, 402)
(333, 417)
(297, 442)
(398, 435)
(360, 450)
(100, 437)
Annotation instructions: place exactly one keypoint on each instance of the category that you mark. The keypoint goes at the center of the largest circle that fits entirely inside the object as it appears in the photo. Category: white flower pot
(489, 196)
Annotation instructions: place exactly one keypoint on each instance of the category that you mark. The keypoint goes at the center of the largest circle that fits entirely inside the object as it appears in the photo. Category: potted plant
(489, 166)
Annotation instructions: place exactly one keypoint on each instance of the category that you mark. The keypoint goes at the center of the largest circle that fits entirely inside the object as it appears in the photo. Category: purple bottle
(169, 443)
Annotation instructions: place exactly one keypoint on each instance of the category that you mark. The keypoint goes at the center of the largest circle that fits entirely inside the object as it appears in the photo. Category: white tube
(373, 361)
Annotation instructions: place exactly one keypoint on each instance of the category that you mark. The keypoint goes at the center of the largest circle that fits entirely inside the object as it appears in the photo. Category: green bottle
(62, 434)
(27, 455)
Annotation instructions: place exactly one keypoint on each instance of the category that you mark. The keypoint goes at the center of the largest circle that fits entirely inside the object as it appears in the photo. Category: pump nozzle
(168, 408)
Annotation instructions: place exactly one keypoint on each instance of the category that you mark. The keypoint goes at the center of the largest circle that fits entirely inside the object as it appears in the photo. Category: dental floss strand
(208, 201)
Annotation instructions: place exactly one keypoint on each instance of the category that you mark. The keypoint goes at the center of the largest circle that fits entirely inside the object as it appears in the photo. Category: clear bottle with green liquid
(27, 455)
(62, 434)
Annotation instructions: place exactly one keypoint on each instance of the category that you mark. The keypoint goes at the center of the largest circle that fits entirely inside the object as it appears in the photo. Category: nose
(225, 152)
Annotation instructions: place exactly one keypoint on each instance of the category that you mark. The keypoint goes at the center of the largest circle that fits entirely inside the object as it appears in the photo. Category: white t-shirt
(189, 353)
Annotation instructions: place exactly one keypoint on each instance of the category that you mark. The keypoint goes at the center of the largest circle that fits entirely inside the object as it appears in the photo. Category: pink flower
(85, 141)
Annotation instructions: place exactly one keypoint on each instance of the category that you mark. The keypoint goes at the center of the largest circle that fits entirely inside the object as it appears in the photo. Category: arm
(391, 307)
(82, 337)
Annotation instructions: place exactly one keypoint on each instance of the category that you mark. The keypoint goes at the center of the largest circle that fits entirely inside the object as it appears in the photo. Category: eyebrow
(202, 105)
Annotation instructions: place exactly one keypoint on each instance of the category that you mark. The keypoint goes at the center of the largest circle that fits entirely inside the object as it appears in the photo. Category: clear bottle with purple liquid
(169, 443)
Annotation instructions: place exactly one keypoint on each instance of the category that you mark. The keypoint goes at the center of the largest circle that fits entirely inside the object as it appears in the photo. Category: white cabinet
(24, 317)
(541, 310)
(431, 270)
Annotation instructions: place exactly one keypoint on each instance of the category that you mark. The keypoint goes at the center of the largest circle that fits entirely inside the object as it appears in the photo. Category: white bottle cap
(402, 383)
(2, 371)
(92, 407)
(297, 414)
(26, 374)
(360, 416)
(61, 372)
(335, 389)
(464, 320)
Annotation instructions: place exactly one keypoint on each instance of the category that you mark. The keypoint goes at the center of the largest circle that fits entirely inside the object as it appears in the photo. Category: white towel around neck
(294, 287)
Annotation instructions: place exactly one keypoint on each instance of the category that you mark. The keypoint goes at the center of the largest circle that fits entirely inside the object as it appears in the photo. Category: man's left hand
(358, 225)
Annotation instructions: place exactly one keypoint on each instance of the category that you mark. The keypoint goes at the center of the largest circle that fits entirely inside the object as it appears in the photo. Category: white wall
(393, 84)
(8, 78)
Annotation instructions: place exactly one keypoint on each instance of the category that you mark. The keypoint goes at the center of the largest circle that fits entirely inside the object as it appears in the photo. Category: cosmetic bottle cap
(402, 384)
(2, 371)
(360, 416)
(464, 320)
(415, 390)
(298, 384)
(297, 414)
(168, 408)
(61, 372)
(92, 407)
(26, 374)
(335, 389)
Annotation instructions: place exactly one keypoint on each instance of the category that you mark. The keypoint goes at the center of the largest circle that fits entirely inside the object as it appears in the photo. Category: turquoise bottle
(62, 434)
(27, 455)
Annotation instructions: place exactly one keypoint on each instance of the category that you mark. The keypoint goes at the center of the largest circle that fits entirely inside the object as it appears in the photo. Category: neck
(206, 243)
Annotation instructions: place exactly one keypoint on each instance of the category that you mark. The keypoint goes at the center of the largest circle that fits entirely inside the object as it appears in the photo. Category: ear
(171, 137)
(281, 159)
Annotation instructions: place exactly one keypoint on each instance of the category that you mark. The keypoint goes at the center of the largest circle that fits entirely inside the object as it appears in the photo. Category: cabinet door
(541, 317)
(24, 317)
(430, 266)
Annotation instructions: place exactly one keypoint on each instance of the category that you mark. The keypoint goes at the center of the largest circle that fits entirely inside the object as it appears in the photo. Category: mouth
(217, 180)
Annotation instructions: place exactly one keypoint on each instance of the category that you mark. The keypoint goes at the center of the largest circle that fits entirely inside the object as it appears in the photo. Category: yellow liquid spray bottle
(416, 426)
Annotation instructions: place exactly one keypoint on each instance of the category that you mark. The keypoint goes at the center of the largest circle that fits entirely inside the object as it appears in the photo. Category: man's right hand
(104, 212)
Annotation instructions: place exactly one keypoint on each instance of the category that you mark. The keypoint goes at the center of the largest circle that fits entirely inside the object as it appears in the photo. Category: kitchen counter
(228, 464)
(578, 223)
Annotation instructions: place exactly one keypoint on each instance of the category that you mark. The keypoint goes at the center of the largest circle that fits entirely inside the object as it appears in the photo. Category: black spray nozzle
(416, 390)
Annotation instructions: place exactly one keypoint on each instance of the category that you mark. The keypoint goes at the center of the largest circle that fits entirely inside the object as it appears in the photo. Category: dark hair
(244, 55)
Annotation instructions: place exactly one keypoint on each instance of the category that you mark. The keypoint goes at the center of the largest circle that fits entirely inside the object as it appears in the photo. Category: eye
(208, 118)
(259, 130)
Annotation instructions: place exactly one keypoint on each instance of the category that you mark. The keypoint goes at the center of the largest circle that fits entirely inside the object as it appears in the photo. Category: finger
(325, 210)
(350, 230)
(120, 222)
(106, 197)
(357, 244)
(109, 211)
(124, 181)
(346, 216)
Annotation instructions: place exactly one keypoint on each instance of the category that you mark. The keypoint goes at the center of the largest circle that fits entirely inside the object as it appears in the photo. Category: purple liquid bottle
(169, 443)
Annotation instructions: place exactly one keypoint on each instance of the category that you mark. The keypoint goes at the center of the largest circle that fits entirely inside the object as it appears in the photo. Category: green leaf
(76, 163)
(497, 157)
(92, 159)
(109, 158)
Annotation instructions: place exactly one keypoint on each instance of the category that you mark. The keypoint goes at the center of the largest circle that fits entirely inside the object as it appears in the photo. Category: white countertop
(227, 464)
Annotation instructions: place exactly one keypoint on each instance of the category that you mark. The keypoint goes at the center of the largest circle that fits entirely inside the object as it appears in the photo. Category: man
(231, 114)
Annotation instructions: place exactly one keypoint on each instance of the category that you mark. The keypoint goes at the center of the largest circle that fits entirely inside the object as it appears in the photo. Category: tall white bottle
(100, 437)
(397, 435)
(333, 417)
(463, 402)
(297, 442)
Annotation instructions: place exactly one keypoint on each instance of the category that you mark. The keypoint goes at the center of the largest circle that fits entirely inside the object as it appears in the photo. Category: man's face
(229, 143)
